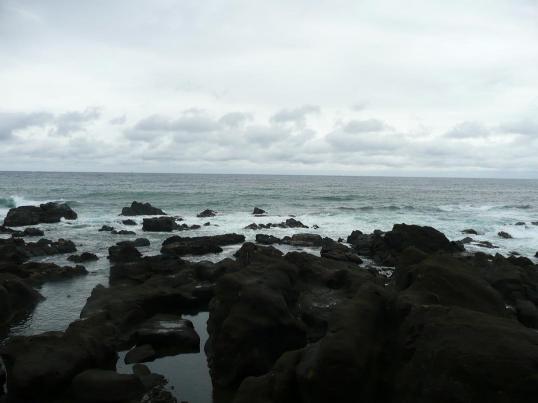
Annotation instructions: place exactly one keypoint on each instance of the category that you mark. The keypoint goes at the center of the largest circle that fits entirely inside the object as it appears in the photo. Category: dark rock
(266, 239)
(123, 232)
(534, 223)
(36, 273)
(159, 224)
(207, 213)
(536, 254)
(258, 211)
(272, 304)
(486, 244)
(45, 213)
(504, 235)
(520, 223)
(334, 250)
(99, 385)
(123, 253)
(134, 269)
(143, 353)
(289, 223)
(362, 243)
(180, 246)
(17, 250)
(466, 240)
(129, 222)
(16, 297)
(470, 231)
(83, 257)
(42, 366)
(138, 242)
(30, 231)
(168, 335)
(308, 240)
(106, 228)
(207, 224)
(141, 209)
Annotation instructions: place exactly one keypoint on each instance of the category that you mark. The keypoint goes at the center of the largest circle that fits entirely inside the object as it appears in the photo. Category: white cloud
(340, 86)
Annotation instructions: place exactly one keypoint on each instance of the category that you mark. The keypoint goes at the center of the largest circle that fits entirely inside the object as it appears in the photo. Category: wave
(390, 207)
(517, 206)
(17, 201)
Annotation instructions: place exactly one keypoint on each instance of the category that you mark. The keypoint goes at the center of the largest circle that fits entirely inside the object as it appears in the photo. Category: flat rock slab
(168, 335)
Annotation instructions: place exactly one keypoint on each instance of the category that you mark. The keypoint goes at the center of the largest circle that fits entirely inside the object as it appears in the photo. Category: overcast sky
(380, 87)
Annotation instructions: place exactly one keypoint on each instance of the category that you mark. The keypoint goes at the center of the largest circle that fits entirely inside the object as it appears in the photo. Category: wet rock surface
(207, 213)
(444, 325)
(138, 208)
(44, 213)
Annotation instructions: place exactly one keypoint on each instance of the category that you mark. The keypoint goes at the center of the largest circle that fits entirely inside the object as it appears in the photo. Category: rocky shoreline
(399, 316)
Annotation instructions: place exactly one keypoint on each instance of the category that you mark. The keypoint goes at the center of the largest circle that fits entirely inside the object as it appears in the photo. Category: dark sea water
(338, 205)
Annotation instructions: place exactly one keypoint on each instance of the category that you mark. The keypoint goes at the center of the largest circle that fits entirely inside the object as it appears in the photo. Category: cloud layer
(327, 87)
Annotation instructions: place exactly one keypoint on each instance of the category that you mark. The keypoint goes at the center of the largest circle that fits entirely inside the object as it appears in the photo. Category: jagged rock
(266, 239)
(123, 232)
(83, 257)
(30, 231)
(45, 213)
(129, 222)
(36, 273)
(181, 246)
(138, 242)
(138, 208)
(289, 223)
(470, 231)
(123, 253)
(504, 235)
(207, 213)
(258, 211)
(106, 228)
(159, 224)
(334, 250)
(486, 244)
(308, 240)
(17, 250)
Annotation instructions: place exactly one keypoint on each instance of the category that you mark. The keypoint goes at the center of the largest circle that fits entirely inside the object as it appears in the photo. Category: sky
(358, 87)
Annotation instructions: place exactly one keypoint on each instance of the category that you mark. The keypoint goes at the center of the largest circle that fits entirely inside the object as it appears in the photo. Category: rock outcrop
(44, 213)
(138, 208)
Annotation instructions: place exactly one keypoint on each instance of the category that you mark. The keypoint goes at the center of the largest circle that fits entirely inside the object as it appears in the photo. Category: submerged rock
(138, 208)
(504, 235)
(30, 231)
(266, 239)
(470, 231)
(45, 213)
(106, 228)
(129, 222)
(258, 211)
(83, 257)
(159, 224)
(123, 232)
(16, 297)
(207, 213)
(289, 223)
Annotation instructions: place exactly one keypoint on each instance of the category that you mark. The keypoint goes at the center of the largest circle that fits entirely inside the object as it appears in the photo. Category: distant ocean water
(337, 204)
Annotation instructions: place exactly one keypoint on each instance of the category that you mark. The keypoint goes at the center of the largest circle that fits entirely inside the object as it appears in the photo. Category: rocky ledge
(44, 213)
(445, 325)
(138, 208)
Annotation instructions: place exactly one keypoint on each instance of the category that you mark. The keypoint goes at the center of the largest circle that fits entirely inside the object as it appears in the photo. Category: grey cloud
(364, 126)
(188, 122)
(12, 122)
(469, 129)
(118, 120)
(526, 127)
(235, 119)
(74, 121)
(297, 115)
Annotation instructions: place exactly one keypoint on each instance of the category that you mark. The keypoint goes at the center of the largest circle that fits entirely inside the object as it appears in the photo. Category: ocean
(337, 204)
